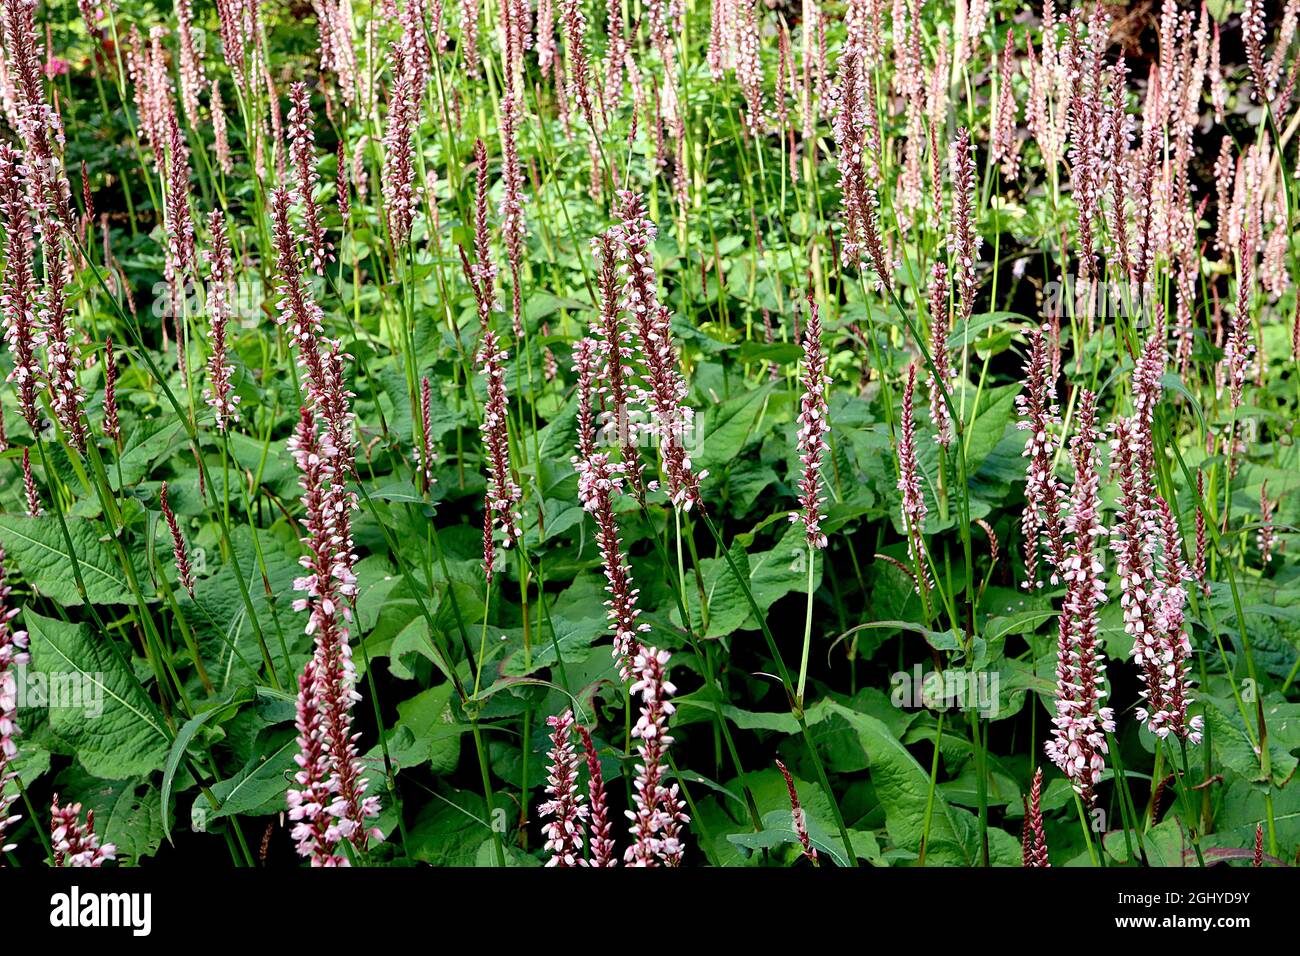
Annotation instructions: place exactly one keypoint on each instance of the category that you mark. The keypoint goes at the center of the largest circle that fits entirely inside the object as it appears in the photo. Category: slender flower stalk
(564, 833)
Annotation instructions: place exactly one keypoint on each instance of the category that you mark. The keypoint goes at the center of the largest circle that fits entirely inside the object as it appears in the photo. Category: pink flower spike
(564, 839)
(814, 425)
(73, 842)
(13, 657)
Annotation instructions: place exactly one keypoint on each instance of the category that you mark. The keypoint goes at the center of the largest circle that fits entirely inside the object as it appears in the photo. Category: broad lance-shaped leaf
(771, 575)
(257, 789)
(902, 787)
(36, 548)
(96, 705)
(181, 744)
(1234, 747)
(727, 427)
(126, 811)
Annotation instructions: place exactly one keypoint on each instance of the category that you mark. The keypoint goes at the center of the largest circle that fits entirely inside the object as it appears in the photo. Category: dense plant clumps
(574, 434)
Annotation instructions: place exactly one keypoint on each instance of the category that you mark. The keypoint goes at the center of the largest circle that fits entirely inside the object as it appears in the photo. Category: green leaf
(433, 733)
(177, 753)
(258, 789)
(115, 731)
(723, 430)
(149, 441)
(902, 787)
(127, 812)
(993, 417)
(1233, 747)
(38, 549)
(778, 830)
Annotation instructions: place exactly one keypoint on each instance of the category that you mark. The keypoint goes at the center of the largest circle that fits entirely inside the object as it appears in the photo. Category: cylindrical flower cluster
(585, 360)
(658, 812)
(74, 843)
(13, 656)
(504, 494)
(220, 393)
(600, 839)
(564, 837)
(1035, 841)
(329, 766)
(399, 149)
(1078, 745)
(599, 481)
(797, 816)
(18, 296)
(664, 392)
(942, 376)
(302, 148)
(184, 573)
(1044, 493)
(909, 484)
(814, 425)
